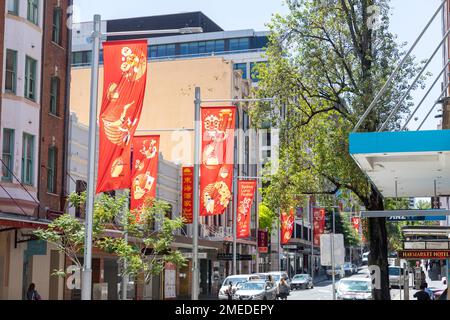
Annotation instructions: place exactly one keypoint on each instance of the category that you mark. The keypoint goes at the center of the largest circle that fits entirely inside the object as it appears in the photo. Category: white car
(396, 277)
(255, 290)
(354, 289)
(235, 281)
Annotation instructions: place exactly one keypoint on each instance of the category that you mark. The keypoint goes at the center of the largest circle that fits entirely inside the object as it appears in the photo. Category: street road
(324, 291)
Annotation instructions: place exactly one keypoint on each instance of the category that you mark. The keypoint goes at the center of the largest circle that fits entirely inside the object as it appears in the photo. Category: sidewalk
(319, 279)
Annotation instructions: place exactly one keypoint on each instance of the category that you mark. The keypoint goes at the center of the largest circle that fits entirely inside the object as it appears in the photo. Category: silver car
(396, 277)
(235, 281)
(302, 281)
(255, 290)
(354, 289)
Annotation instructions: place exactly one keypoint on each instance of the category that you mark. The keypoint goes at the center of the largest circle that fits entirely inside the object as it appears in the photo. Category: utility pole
(333, 267)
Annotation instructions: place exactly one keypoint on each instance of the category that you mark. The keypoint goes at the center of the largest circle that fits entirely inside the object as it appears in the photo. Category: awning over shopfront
(405, 164)
(14, 221)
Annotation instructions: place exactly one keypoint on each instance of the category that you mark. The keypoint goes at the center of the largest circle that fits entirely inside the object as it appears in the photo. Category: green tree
(266, 218)
(326, 62)
(342, 226)
(148, 249)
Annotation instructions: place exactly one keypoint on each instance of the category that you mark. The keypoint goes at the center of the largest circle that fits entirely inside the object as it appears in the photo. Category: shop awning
(405, 164)
(13, 221)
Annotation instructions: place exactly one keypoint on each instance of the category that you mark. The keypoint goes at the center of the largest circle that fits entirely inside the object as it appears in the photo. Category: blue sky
(407, 21)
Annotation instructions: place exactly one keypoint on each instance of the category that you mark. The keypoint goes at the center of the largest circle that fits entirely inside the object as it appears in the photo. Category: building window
(51, 170)
(215, 46)
(239, 44)
(8, 154)
(27, 159)
(57, 22)
(11, 71)
(30, 78)
(243, 68)
(54, 95)
(84, 58)
(13, 7)
(33, 11)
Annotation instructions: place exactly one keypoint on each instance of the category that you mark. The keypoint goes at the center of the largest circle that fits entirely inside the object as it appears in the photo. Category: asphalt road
(324, 290)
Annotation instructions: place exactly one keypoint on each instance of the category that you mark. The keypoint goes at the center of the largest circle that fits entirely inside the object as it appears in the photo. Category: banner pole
(86, 292)
(197, 141)
(237, 159)
(332, 256)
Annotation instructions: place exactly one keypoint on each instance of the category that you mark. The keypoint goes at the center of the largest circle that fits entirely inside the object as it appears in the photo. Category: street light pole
(195, 271)
(332, 255)
(86, 292)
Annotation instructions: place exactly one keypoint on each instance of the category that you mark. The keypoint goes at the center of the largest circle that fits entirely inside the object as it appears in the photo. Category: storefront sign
(229, 257)
(201, 255)
(188, 195)
(216, 167)
(424, 254)
(263, 241)
(125, 76)
(170, 277)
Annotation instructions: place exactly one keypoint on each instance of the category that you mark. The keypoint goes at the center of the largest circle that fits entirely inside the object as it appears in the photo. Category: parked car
(255, 290)
(354, 289)
(396, 277)
(338, 272)
(365, 258)
(302, 281)
(349, 270)
(235, 280)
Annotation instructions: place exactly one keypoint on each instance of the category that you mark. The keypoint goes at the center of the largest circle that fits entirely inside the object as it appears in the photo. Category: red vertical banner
(246, 194)
(356, 222)
(319, 224)
(188, 195)
(144, 171)
(216, 168)
(263, 241)
(125, 76)
(287, 226)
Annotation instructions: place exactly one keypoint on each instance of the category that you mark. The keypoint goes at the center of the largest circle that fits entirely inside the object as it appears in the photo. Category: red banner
(263, 241)
(356, 222)
(145, 170)
(319, 224)
(188, 195)
(246, 193)
(287, 226)
(216, 168)
(125, 76)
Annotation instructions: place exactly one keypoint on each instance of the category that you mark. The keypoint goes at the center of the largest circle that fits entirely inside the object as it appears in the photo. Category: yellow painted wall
(169, 99)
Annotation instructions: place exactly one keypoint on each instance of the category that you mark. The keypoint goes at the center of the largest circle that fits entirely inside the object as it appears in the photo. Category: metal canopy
(405, 164)
(404, 213)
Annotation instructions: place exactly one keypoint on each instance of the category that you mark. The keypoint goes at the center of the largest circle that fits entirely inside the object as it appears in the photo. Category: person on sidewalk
(422, 294)
(32, 293)
(229, 291)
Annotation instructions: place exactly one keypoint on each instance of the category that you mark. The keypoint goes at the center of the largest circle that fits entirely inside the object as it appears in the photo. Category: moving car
(354, 289)
(349, 270)
(277, 275)
(235, 280)
(255, 290)
(302, 281)
(396, 276)
(338, 272)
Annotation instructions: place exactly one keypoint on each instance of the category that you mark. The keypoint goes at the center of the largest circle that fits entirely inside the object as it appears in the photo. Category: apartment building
(35, 67)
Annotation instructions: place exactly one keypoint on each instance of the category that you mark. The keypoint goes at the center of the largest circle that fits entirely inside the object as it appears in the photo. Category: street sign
(424, 254)
(325, 250)
(419, 218)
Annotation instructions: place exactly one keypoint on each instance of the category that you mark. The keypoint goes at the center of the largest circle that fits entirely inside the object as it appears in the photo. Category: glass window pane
(13, 7)
(201, 47)
(220, 46)
(244, 44)
(56, 34)
(193, 48)
(210, 46)
(161, 51)
(11, 71)
(243, 68)
(234, 44)
(170, 50)
(184, 48)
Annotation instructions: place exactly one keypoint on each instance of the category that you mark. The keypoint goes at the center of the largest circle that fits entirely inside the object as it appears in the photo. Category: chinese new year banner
(125, 76)
(263, 241)
(287, 226)
(319, 224)
(356, 222)
(246, 193)
(216, 168)
(145, 170)
(188, 195)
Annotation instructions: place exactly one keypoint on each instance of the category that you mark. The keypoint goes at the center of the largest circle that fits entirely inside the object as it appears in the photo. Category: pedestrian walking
(422, 294)
(32, 293)
(430, 293)
(284, 289)
(230, 291)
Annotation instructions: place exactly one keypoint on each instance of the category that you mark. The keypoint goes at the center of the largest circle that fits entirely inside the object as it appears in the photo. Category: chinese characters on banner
(188, 195)
(246, 193)
(356, 222)
(216, 168)
(125, 76)
(263, 241)
(319, 224)
(145, 171)
(287, 226)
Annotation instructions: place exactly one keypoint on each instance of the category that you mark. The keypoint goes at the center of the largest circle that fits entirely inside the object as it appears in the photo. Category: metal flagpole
(195, 271)
(235, 189)
(311, 222)
(86, 292)
(332, 255)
